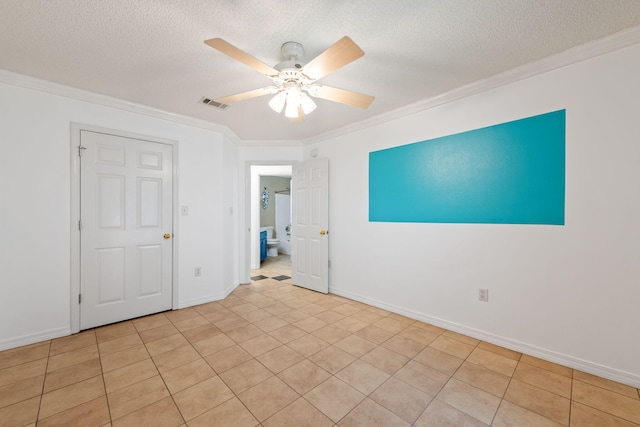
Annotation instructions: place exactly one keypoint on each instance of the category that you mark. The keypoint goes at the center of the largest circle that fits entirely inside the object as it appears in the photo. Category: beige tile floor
(273, 354)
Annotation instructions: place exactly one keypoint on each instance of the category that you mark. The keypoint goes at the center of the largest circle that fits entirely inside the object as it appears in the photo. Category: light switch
(184, 210)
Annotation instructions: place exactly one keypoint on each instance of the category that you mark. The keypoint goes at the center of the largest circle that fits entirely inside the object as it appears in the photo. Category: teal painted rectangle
(510, 173)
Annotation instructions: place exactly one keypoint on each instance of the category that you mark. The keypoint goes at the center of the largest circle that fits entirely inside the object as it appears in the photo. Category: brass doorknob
(323, 232)
(167, 235)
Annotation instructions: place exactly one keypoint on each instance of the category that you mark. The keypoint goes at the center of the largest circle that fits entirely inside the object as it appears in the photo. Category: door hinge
(80, 224)
(79, 298)
(80, 148)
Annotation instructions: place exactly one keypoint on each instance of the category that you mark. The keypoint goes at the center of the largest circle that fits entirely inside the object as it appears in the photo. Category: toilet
(272, 244)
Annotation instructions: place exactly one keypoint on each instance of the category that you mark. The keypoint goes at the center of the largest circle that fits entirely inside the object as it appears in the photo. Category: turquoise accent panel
(511, 173)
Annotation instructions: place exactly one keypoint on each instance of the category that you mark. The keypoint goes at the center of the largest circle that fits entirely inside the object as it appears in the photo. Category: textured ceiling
(151, 52)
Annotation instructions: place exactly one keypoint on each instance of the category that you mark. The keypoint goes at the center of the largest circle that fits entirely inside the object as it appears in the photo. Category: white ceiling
(151, 52)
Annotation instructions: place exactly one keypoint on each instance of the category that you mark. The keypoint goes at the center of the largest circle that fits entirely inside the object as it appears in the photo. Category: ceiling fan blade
(342, 96)
(239, 55)
(245, 95)
(336, 56)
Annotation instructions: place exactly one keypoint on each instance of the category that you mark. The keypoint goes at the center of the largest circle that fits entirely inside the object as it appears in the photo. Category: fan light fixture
(293, 82)
(295, 99)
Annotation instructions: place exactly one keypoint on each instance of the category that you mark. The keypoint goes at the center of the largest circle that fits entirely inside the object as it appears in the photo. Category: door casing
(76, 129)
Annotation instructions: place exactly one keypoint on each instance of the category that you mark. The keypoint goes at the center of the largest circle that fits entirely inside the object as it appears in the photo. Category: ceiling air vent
(208, 101)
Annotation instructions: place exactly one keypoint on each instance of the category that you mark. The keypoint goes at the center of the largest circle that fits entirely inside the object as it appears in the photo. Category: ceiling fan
(293, 83)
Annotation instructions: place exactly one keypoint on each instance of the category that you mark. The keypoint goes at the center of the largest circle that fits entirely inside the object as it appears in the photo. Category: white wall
(35, 183)
(569, 293)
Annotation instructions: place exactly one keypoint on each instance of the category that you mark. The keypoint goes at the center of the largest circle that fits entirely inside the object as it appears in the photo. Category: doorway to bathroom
(271, 220)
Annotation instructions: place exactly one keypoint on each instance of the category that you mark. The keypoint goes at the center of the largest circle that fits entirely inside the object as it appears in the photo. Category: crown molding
(53, 88)
(619, 40)
(269, 143)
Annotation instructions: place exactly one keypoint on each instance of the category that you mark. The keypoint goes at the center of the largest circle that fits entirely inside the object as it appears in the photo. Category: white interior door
(310, 233)
(126, 237)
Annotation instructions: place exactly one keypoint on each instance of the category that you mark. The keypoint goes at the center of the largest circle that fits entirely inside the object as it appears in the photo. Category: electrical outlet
(197, 271)
(483, 294)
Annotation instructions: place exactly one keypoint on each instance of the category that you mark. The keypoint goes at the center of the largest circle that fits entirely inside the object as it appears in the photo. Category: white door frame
(249, 229)
(76, 128)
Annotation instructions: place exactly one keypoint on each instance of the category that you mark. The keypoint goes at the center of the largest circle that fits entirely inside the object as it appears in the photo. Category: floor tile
(174, 358)
(187, 375)
(214, 344)
(362, 376)
(422, 377)
(542, 402)
(374, 334)
(585, 416)
(122, 358)
(149, 322)
(200, 333)
(268, 397)
(462, 338)
(512, 415)
(332, 359)
(385, 360)
(330, 334)
(163, 345)
(230, 413)
(549, 366)
(256, 316)
(439, 360)
(472, 401)
(287, 333)
(440, 414)
(500, 350)
(193, 323)
(228, 358)
(20, 355)
(129, 375)
(245, 376)
(350, 324)
(136, 396)
(453, 347)
(496, 362)
(157, 333)
(607, 401)
(310, 324)
(405, 346)
(72, 357)
(299, 413)
(355, 346)
(72, 395)
(606, 384)
(20, 413)
(279, 359)
(370, 414)
(118, 344)
(334, 398)
(304, 376)
(543, 379)
(271, 323)
(483, 378)
(260, 344)
(402, 399)
(202, 397)
(114, 331)
(162, 413)
(307, 345)
(244, 333)
(177, 316)
(92, 413)
(390, 325)
(22, 390)
(230, 323)
(72, 342)
(23, 371)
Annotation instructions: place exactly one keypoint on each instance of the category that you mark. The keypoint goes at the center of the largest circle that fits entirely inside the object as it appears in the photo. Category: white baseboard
(623, 377)
(34, 338)
(208, 298)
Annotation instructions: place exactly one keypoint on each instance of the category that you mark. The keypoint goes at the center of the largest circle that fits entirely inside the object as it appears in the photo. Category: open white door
(310, 221)
(126, 249)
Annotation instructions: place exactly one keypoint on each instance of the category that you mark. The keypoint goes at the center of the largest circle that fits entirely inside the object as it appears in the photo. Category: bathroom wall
(273, 184)
(567, 293)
